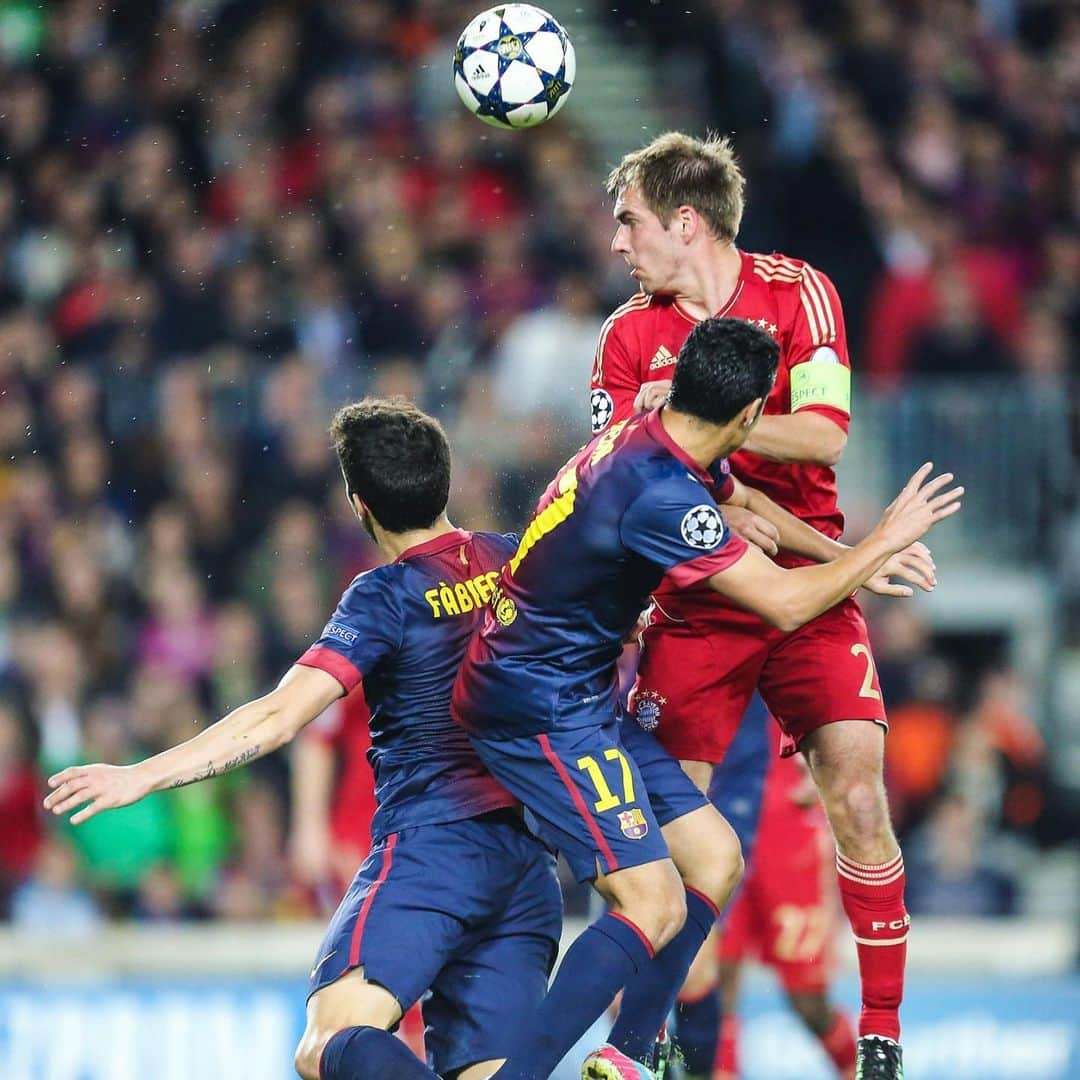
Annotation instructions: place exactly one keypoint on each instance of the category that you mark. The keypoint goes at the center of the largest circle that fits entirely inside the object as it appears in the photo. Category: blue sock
(697, 1032)
(596, 967)
(649, 998)
(357, 1053)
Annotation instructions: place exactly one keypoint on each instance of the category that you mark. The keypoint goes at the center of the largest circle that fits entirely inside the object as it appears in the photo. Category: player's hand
(918, 508)
(651, 395)
(752, 528)
(914, 564)
(102, 787)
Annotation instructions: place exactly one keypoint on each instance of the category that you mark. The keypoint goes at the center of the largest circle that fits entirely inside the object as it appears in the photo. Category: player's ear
(359, 506)
(752, 413)
(687, 220)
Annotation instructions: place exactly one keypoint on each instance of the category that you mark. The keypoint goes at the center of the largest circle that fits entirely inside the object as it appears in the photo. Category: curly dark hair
(396, 458)
(723, 366)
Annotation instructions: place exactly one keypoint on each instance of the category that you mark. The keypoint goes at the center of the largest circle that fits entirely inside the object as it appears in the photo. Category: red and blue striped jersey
(403, 629)
(628, 508)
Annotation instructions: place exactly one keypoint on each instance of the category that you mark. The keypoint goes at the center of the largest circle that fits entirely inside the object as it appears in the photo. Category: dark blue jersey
(627, 509)
(403, 629)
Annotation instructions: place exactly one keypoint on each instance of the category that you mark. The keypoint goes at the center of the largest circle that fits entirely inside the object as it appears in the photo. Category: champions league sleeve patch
(821, 380)
(603, 408)
(702, 527)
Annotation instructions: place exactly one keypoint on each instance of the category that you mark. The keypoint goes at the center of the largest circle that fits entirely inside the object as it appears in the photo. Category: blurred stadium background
(219, 219)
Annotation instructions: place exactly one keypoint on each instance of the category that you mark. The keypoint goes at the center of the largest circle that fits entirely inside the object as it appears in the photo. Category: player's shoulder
(783, 273)
(374, 582)
(647, 455)
(632, 312)
(496, 545)
(372, 594)
(806, 300)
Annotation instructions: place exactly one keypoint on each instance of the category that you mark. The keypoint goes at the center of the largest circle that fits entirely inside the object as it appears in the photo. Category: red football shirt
(789, 299)
(344, 728)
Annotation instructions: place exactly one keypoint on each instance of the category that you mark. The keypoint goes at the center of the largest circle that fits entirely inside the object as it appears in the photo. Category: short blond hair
(678, 170)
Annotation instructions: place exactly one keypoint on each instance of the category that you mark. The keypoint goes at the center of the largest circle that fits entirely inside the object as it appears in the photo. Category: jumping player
(538, 688)
(483, 941)
(678, 204)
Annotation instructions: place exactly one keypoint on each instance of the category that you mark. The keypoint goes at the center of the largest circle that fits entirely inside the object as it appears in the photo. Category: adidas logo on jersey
(661, 358)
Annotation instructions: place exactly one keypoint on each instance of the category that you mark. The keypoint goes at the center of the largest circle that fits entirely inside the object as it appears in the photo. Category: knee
(857, 808)
(650, 896)
(659, 911)
(308, 1056)
(669, 913)
(718, 875)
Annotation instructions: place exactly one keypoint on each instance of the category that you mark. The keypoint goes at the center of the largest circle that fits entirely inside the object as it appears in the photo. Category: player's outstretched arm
(792, 535)
(914, 563)
(790, 598)
(247, 733)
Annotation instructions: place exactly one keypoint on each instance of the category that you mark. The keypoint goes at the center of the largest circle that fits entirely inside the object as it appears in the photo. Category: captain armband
(821, 380)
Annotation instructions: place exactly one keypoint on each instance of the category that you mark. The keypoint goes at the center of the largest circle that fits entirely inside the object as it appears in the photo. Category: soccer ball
(514, 66)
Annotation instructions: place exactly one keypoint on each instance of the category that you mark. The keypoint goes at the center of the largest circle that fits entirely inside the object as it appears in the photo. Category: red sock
(873, 897)
(839, 1043)
(727, 1057)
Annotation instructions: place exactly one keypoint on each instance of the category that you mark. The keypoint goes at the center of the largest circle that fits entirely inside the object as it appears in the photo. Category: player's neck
(710, 279)
(394, 545)
(702, 441)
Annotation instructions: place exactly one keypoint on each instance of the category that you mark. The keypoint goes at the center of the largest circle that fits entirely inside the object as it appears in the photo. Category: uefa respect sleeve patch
(821, 380)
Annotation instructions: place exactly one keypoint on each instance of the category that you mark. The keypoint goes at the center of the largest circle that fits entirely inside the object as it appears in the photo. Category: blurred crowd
(925, 152)
(221, 219)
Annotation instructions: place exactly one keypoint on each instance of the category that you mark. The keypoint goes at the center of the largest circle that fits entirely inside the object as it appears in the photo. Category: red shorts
(697, 673)
(785, 912)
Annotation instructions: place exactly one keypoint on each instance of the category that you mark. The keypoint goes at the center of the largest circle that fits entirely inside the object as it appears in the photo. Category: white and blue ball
(514, 66)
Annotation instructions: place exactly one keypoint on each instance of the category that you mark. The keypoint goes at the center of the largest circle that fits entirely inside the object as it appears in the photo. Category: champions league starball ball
(514, 66)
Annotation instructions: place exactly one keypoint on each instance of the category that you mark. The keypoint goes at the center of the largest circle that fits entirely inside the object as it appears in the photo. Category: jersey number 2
(608, 799)
(867, 689)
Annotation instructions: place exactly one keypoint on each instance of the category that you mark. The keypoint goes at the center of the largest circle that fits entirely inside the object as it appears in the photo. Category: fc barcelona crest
(633, 824)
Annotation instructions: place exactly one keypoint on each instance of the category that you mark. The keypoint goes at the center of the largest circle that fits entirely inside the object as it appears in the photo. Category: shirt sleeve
(675, 523)
(616, 378)
(723, 481)
(817, 354)
(364, 630)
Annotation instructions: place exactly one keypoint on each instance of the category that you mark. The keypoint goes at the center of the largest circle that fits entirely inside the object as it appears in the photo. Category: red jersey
(789, 299)
(344, 728)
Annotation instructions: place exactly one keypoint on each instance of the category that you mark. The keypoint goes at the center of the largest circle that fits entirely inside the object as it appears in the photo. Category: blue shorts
(468, 911)
(671, 792)
(738, 782)
(591, 794)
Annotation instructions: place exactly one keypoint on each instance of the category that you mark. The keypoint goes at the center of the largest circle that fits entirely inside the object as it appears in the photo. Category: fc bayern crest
(602, 410)
(633, 824)
(702, 527)
(647, 707)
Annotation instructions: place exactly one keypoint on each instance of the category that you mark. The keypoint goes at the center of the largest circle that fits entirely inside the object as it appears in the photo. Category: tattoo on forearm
(213, 770)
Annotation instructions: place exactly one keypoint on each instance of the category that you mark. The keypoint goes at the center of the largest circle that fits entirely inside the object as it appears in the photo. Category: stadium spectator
(215, 228)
